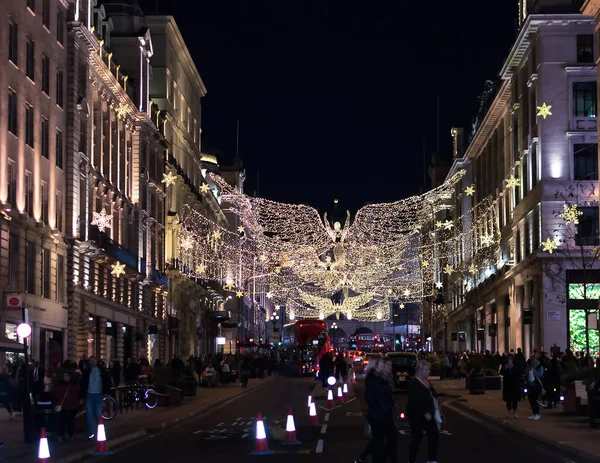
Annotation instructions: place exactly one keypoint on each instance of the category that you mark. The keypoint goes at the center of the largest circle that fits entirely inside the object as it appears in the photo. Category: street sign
(14, 301)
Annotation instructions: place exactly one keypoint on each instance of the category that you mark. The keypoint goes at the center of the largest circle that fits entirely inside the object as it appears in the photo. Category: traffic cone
(290, 430)
(101, 445)
(345, 390)
(260, 444)
(309, 400)
(44, 450)
(330, 403)
(353, 377)
(340, 395)
(313, 418)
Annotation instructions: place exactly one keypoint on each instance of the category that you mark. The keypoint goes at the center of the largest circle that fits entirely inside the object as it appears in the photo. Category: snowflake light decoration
(439, 285)
(470, 190)
(169, 178)
(571, 214)
(204, 188)
(512, 182)
(544, 110)
(448, 269)
(549, 245)
(118, 269)
(102, 220)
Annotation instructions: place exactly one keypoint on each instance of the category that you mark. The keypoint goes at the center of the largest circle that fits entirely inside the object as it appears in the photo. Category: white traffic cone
(44, 450)
(345, 390)
(260, 444)
(330, 403)
(101, 445)
(353, 377)
(309, 400)
(290, 430)
(340, 395)
(313, 419)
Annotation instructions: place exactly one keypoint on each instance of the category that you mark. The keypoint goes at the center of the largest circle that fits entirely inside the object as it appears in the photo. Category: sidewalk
(568, 432)
(124, 427)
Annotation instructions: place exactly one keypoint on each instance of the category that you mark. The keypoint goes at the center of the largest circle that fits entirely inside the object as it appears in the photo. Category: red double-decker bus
(371, 343)
(304, 343)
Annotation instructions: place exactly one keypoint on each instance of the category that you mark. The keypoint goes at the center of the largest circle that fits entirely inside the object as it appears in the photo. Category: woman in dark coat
(511, 385)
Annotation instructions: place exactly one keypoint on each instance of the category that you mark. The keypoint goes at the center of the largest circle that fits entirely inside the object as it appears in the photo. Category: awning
(8, 345)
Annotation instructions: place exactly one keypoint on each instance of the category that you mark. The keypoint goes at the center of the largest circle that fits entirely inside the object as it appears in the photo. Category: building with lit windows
(115, 220)
(521, 280)
(33, 190)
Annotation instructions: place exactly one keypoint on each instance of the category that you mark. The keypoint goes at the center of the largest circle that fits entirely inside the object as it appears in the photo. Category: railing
(113, 249)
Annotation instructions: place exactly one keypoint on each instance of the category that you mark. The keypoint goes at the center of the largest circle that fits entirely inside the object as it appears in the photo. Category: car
(404, 366)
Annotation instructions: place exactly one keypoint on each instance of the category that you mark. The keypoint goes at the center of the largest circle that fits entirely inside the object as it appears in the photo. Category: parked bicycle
(138, 393)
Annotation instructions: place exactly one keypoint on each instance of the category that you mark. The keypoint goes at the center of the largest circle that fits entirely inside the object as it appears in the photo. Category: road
(226, 434)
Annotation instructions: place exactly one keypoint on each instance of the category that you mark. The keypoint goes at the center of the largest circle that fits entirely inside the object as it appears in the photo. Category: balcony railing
(113, 249)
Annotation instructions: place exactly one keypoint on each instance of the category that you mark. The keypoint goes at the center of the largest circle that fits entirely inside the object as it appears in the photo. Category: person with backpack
(533, 376)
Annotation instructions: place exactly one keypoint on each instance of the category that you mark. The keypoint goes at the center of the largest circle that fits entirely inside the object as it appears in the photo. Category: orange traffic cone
(345, 390)
(313, 419)
(260, 445)
(290, 430)
(340, 395)
(44, 450)
(330, 403)
(353, 377)
(101, 445)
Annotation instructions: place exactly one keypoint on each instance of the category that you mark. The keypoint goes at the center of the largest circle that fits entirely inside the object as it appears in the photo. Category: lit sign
(220, 341)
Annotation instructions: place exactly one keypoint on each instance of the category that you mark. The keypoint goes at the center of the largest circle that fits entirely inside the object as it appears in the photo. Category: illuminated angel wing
(355, 302)
(321, 303)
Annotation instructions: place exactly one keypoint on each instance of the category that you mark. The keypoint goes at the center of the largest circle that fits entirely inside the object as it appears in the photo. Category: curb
(163, 425)
(532, 435)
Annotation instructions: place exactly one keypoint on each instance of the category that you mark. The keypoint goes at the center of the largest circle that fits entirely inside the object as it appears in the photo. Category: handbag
(58, 408)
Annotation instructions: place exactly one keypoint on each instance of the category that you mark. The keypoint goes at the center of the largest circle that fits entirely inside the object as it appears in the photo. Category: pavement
(474, 430)
(565, 432)
(125, 427)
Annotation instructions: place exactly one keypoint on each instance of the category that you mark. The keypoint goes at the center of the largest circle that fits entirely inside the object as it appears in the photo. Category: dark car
(404, 365)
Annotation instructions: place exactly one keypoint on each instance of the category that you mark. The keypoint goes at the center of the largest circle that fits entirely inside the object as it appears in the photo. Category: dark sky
(334, 97)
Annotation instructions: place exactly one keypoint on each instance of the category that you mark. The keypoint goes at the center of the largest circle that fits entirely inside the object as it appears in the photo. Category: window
(59, 88)
(45, 138)
(46, 75)
(11, 181)
(59, 149)
(59, 211)
(584, 99)
(46, 273)
(585, 48)
(587, 229)
(60, 278)
(585, 161)
(29, 125)
(12, 111)
(44, 198)
(13, 42)
(31, 5)
(60, 26)
(30, 267)
(28, 192)
(13, 260)
(30, 59)
(46, 13)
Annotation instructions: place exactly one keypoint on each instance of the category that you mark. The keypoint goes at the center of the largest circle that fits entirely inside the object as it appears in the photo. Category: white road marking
(198, 432)
(244, 435)
(326, 417)
(249, 423)
(239, 419)
(319, 448)
(324, 429)
(220, 424)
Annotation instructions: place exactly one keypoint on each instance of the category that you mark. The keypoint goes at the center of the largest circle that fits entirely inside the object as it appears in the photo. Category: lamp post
(334, 328)
(24, 331)
(274, 319)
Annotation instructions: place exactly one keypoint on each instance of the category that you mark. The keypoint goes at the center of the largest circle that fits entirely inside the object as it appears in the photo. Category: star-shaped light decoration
(241, 229)
(401, 306)
(187, 243)
(448, 269)
(470, 190)
(487, 240)
(228, 285)
(571, 214)
(204, 188)
(425, 263)
(118, 269)
(102, 220)
(544, 110)
(277, 269)
(216, 235)
(448, 224)
(239, 293)
(549, 245)
(169, 178)
(390, 291)
(269, 295)
(200, 268)
(512, 182)
(438, 224)
(406, 292)
(277, 307)
(473, 268)
(439, 284)
(263, 258)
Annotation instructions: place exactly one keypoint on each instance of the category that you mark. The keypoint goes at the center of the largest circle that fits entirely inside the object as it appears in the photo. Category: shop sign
(14, 301)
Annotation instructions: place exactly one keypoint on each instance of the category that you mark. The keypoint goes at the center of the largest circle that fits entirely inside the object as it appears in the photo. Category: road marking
(220, 424)
(353, 413)
(408, 433)
(239, 419)
(324, 429)
(249, 423)
(326, 417)
(319, 448)
(244, 435)
(198, 432)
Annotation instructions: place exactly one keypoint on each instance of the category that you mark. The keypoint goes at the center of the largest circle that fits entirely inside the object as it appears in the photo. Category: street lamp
(24, 331)
(334, 327)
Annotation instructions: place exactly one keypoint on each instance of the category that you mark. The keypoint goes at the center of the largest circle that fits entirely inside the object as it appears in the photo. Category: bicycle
(109, 407)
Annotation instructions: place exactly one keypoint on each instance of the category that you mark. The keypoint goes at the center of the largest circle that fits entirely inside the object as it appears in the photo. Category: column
(516, 318)
(527, 329)
(501, 317)
(101, 335)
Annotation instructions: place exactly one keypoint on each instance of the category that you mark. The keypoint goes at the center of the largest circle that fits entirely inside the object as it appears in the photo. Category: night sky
(335, 97)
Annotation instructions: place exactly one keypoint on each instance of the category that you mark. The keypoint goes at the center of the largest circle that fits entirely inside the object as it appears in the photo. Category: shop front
(583, 317)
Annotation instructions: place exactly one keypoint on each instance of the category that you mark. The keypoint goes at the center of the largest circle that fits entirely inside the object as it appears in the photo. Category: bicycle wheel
(109, 407)
(544, 400)
(150, 398)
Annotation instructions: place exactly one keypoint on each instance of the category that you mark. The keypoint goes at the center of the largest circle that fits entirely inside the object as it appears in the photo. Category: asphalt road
(227, 434)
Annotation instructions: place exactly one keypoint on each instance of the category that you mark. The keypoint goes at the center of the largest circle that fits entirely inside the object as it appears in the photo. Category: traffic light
(397, 339)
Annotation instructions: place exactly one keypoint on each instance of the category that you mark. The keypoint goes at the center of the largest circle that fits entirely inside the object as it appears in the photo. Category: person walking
(423, 413)
(5, 392)
(511, 385)
(95, 382)
(66, 404)
(368, 450)
(380, 414)
(534, 374)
